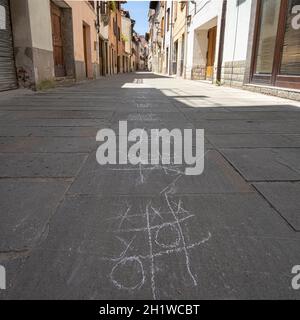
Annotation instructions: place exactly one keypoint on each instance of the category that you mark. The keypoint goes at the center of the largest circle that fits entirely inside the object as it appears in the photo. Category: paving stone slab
(284, 196)
(107, 217)
(248, 126)
(246, 115)
(53, 123)
(264, 108)
(43, 144)
(254, 140)
(265, 164)
(10, 131)
(218, 177)
(25, 209)
(149, 116)
(59, 114)
(12, 262)
(190, 111)
(3, 114)
(59, 105)
(40, 165)
(55, 107)
(148, 125)
(82, 257)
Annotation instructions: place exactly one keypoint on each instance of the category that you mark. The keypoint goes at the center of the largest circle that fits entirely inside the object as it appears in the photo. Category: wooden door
(58, 52)
(212, 35)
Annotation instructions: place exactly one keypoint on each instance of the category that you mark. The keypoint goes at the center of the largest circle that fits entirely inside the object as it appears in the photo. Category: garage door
(7, 65)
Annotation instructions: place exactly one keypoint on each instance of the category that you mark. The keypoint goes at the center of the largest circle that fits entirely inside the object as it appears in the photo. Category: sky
(138, 12)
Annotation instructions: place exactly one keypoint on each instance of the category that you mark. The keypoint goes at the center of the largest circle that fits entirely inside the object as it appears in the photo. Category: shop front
(276, 50)
(7, 63)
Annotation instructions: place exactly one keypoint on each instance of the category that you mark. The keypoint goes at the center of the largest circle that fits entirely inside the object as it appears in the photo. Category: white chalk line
(187, 258)
(124, 216)
(163, 252)
(151, 253)
(155, 226)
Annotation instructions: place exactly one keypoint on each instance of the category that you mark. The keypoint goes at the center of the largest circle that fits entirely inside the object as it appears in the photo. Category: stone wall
(233, 73)
(198, 73)
(32, 42)
(286, 93)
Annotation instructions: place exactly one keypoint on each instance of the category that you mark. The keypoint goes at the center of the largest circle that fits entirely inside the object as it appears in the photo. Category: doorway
(175, 58)
(118, 64)
(167, 59)
(102, 57)
(58, 52)
(211, 51)
(182, 55)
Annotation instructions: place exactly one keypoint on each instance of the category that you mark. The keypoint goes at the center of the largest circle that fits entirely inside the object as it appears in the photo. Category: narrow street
(73, 229)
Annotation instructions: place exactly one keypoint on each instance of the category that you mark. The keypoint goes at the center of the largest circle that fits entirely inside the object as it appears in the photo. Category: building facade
(262, 46)
(156, 19)
(143, 53)
(135, 61)
(54, 41)
(48, 42)
(102, 26)
(250, 44)
(168, 36)
(179, 36)
(126, 38)
(85, 39)
(114, 37)
(203, 36)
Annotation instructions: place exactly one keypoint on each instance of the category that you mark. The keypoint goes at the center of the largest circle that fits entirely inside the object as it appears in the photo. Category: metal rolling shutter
(7, 65)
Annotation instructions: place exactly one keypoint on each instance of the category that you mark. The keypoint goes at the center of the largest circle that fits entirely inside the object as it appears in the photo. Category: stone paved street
(72, 229)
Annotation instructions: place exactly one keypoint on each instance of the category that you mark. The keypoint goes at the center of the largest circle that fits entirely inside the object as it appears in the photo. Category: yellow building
(51, 41)
(85, 39)
(179, 34)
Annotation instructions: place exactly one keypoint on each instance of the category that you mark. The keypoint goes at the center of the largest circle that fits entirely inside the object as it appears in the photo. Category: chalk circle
(167, 236)
(128, 274)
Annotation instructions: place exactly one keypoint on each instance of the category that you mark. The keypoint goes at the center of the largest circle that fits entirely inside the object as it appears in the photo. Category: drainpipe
(118, 65)
(221, 42)
(185, 40)
(235, 39)
(98, 34)
(171, 42)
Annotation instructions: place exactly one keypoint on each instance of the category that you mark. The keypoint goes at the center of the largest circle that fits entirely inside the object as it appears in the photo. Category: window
(168, 19)
(103, 7)
(162, 26)
(2, 18)
(276, 56)
(92, 3)
(290, 64)
(267, 36)
(114, 21)
(182, 5)
(175, 6)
